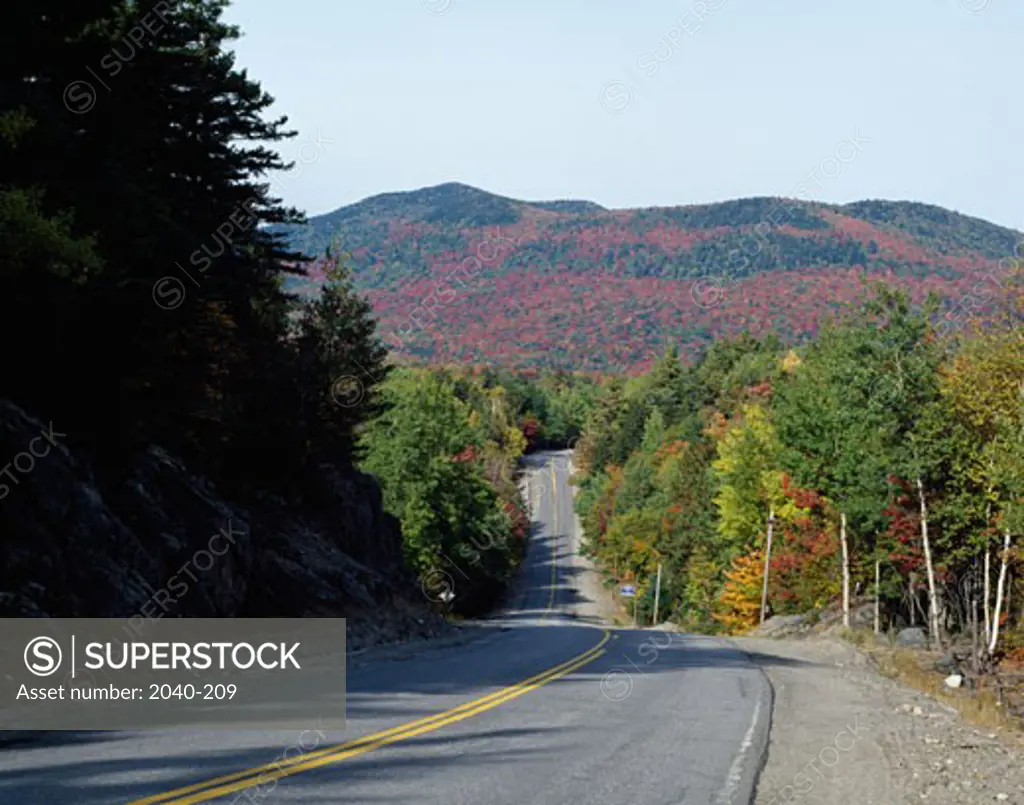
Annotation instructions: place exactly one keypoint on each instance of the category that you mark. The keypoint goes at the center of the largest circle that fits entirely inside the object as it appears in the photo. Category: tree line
(446, 451)
(886, 454)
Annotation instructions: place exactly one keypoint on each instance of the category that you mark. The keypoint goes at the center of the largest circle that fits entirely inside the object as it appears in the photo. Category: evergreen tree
(343, 362)
(135, 259)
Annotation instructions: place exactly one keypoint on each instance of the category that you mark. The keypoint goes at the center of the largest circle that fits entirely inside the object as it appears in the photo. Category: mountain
(574, 285)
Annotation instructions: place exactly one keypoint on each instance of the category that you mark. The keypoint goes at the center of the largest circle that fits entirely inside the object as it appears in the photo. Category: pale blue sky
(513, 96)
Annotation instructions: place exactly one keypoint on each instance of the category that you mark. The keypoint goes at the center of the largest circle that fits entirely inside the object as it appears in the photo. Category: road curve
(540, 705)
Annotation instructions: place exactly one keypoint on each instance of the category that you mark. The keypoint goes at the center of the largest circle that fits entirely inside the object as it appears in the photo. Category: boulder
(862, 615)
(946, 665)
(782, 625)
(914, 637)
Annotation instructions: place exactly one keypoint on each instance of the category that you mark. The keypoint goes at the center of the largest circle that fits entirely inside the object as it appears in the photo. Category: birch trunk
(988, 597)
(999, 595)
(933, 602)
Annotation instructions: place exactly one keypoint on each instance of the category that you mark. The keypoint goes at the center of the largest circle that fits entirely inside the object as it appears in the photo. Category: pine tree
(343, 363)
(137, 261)
(667, 392)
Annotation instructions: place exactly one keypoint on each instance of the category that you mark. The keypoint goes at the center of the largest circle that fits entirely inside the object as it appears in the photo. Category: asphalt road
(538, 706)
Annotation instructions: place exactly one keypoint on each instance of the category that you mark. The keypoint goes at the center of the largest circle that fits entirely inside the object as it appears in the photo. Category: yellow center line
(260, 775)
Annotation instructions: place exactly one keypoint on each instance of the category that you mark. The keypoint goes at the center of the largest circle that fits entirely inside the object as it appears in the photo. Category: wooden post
(933, 599)
(767, 564)
(878, 595)
(657, 595)
(846, 571)
(974, 621)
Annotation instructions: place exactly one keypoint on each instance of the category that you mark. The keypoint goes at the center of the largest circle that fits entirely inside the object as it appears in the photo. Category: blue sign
(629, 591)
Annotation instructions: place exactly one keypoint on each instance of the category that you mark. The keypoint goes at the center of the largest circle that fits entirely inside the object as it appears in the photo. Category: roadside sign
(629, 591)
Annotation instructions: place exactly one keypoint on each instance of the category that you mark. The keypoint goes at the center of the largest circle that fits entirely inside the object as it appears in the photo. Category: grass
(913, 668)
(858, 637)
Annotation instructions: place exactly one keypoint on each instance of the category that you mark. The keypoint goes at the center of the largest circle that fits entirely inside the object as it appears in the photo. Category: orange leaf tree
(739, 606)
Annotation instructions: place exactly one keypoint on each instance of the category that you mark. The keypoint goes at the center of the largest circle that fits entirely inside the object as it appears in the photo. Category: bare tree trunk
(1009, 593)
(974, 623)
(846, 572)
(988, 597)
(933, 602)
(878, 594)
(911, 597)
(920, 609)
(999, 595)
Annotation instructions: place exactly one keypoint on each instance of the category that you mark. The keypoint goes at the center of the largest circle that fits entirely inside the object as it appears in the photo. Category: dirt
(842, 733)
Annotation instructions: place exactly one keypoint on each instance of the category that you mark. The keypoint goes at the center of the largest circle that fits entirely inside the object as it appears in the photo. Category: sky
(638, 103)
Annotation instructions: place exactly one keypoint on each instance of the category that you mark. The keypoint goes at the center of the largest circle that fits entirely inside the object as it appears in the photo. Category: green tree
(423, 450)
(847, 414)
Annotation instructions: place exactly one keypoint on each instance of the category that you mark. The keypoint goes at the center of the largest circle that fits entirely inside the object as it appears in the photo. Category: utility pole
(767, 563)
(846, 571)
(657, 596)
(878, 595)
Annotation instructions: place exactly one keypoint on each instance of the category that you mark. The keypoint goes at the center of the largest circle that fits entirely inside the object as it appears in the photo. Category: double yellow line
(262, 775)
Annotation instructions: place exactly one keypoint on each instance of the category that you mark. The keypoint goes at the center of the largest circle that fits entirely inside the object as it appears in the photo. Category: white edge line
(732, 781)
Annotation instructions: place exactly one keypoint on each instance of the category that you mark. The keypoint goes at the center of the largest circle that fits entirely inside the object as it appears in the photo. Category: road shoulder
(596, 604)
(842, 733)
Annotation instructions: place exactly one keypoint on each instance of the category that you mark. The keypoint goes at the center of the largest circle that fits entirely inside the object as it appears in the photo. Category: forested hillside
(885, 431)
(457, 274)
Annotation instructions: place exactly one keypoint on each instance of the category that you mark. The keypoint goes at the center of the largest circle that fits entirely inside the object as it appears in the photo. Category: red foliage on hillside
(457, 275)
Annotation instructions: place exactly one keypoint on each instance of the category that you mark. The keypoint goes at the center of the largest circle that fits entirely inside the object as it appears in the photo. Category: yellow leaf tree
(739, 606)
(749, 481)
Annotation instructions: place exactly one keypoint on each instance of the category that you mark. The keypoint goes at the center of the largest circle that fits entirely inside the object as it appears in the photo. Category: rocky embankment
(161, 542)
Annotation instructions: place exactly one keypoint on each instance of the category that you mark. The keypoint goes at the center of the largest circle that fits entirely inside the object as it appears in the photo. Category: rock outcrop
(161, 542)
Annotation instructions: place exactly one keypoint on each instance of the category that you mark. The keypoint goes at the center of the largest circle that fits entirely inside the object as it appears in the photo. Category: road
(539, 705)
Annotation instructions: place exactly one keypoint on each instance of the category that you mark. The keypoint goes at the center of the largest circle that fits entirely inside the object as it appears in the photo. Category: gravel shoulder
(596, 602)
(841, 733)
